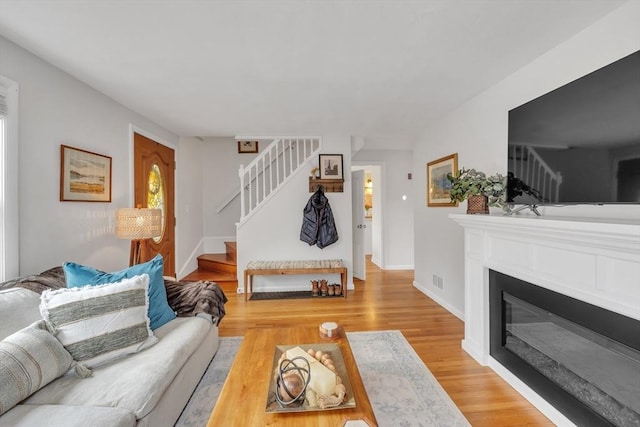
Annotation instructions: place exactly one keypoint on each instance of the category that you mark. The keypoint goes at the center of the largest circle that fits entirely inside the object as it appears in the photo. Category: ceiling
(380, 70)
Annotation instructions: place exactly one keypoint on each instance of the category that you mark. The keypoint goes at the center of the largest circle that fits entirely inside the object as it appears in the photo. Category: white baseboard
(206, 245)
(438, 298)
(191, 264)
(398, 267)
(473, 351)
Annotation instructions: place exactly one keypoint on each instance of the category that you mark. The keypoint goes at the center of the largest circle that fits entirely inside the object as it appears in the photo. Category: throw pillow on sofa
(159, 310)
(29, 359)
(97, 324)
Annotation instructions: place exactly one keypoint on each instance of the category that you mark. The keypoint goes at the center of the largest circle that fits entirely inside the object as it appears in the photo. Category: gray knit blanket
(185, 298)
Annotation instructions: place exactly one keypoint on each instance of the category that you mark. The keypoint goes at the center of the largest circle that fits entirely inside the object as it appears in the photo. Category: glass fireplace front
(584, 360)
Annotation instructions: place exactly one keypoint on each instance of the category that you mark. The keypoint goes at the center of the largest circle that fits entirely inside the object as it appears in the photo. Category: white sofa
(149, 388)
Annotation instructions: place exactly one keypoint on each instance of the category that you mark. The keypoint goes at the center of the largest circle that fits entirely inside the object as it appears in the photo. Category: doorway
(153, 172)
(374, 199)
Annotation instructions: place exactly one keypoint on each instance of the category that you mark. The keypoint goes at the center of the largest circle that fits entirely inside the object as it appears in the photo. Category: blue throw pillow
(77, 275)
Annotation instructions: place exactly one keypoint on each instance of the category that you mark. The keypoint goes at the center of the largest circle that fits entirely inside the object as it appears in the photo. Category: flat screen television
(580, 143)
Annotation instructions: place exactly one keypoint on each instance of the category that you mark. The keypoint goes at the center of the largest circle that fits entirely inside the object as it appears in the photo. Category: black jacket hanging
(318, 226)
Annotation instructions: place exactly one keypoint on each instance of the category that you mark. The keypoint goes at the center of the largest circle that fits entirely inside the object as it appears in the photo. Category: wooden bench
(270, 268)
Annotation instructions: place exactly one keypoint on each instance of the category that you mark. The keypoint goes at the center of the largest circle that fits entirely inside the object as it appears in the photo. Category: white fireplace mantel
(594, 260)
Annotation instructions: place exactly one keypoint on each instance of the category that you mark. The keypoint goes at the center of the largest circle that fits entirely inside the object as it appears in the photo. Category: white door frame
(379, 208)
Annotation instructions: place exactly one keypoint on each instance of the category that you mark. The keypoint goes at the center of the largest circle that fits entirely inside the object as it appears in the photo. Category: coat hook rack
(328, 185)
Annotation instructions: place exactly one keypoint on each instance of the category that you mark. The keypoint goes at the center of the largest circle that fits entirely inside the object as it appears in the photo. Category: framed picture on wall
(438, 186)
(331, 166)
(84, 176)
(247, 146)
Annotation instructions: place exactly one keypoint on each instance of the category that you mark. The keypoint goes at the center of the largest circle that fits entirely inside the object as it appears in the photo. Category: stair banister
(274, 156)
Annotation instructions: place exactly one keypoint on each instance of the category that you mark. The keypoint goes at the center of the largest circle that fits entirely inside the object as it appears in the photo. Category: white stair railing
(527, 165)
(273, 167)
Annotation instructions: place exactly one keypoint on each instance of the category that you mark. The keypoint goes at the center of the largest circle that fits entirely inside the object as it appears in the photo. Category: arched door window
(155, 195)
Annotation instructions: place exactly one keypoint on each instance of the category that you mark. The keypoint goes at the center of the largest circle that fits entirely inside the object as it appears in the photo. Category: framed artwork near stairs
(247, 146)
(331, 166)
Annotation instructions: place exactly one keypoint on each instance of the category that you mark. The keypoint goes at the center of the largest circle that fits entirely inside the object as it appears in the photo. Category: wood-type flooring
(388, 300)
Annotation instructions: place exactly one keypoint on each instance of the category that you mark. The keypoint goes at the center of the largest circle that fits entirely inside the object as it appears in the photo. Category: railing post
(264, 180)
(242, 207)
(290, 159)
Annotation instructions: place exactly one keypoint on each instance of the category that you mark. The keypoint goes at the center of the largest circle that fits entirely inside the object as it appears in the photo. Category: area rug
(402, 391)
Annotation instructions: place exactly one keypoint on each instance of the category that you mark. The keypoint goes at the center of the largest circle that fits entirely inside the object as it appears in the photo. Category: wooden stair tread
(217, 263)
(211, 276)
(219, 258)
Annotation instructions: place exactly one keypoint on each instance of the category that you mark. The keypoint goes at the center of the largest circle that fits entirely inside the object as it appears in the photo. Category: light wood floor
(388, 300)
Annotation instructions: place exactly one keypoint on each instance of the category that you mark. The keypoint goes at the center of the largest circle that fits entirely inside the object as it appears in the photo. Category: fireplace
(583, 359)
(579, 278)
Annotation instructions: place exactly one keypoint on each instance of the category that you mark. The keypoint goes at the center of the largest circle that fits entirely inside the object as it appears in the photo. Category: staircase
(219, 268)
(269, 172)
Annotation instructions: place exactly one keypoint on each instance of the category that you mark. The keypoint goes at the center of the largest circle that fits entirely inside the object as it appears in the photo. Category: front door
(154, 166)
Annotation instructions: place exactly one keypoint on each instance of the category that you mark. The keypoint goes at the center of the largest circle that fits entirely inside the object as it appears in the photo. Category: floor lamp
(138, 225)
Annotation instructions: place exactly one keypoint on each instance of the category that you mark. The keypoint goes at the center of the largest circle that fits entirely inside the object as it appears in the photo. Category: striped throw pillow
(29, 359)
(97, 324)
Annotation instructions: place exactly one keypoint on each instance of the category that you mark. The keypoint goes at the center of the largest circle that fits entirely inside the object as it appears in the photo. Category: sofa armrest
(208, 317)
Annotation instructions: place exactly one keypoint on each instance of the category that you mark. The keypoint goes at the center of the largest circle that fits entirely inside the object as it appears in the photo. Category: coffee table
(243, 398)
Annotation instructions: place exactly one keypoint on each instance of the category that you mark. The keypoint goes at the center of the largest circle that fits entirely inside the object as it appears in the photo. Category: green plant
(470, 182)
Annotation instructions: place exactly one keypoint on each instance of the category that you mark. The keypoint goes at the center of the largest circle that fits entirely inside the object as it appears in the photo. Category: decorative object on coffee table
(326, 387)
(329, 330)
(292, 378)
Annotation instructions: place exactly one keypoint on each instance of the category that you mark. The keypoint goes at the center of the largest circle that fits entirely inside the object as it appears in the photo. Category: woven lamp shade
(138, 223)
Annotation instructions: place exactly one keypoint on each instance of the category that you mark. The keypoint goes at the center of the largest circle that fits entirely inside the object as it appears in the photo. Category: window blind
(3, 104)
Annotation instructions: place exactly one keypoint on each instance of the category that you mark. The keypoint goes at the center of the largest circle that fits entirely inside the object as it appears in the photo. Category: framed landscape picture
(331, 166)
(84, 176)
(438, 186)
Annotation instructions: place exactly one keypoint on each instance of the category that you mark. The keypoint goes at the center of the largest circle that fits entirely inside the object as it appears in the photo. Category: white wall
(397, 214)
(55, 109)
(220, 162)
(189, 205)
(477, 131)
(274, 234)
